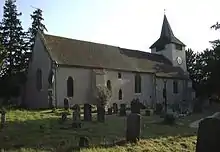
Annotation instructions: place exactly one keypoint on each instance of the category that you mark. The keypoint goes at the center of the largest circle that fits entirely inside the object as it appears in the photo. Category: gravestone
(3, 118)
(87, 112)
(76, 116)
(83, 142)
(122, 110)
(133, 127)
(109, 111)
(208, 136)
(159, 108)
(148, 112)
(63, 116)
(115, 108)
(135, 106)
(100, 113)
(66, 104)
(50, 98)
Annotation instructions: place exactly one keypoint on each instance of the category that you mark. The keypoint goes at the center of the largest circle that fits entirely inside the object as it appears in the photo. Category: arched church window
(137, 83)
(109, 85)
(39, 79)
(120, 94)
(119, 75)
(70, 87)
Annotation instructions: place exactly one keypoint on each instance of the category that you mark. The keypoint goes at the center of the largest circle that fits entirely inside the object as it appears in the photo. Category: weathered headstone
(159, 108)
(51, 99)
(101, 113)
(149, 112)
(122, 110)
(76, 116)
(87, 112)
(66, 104)
(115, 108)
(135, 106)
(63, 116)
(208, 135)
(83, 142)
(133, 127)
(3, 118)
(110, 111)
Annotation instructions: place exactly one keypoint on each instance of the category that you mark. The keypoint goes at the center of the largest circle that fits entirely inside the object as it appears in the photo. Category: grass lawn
(41, 131)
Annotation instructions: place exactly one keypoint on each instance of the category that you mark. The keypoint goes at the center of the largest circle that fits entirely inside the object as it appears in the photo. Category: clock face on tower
(179, 60)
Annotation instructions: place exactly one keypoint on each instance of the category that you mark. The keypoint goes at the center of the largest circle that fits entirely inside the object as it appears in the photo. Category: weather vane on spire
(164, 11)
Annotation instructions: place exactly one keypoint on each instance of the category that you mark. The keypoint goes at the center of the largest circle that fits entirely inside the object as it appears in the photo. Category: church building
(73, 68)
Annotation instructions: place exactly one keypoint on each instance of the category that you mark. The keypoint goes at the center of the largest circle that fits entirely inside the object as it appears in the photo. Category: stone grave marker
(66, 104)
(115, 108)
(110, 111)
(83, 142)
(100, 113)
(122, 110)
(208, 136)
(87, 112)
(135, 106)
(3, 118)
(63, 117)
(76, 116)
(133, 127)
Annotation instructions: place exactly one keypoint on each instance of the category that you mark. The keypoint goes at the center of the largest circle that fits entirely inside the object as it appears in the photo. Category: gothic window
(39, 79)
(109, 85)
(119, 75)
(120, 94)
(175, 87)
(178, 46)
(137, 83)
(70, 87)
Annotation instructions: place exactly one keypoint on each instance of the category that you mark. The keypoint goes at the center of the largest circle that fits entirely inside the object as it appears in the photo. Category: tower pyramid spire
(166, 36)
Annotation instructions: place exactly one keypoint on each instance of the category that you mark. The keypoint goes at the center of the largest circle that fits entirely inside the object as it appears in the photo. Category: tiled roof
(70, 52)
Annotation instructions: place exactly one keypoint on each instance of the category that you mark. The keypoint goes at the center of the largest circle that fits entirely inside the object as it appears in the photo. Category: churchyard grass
(41, 131)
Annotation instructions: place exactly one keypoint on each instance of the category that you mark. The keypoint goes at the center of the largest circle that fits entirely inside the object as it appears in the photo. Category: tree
(190, 64)
(194, 66)
(13, 38)
(36, 26)
(102, 95)
(2, 57)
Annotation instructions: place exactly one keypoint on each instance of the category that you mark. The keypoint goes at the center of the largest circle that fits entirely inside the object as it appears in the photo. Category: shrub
(102, 95)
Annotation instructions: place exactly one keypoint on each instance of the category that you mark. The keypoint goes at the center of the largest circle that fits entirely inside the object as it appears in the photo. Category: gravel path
(195, 124)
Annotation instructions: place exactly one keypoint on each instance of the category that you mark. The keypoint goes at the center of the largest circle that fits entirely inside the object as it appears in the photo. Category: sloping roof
(166, 36)
(70, 52)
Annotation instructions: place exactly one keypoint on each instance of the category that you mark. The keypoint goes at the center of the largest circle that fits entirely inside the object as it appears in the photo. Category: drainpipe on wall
(55, 66)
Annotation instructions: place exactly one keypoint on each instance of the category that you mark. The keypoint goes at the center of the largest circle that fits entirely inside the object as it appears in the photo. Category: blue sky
(134, 24)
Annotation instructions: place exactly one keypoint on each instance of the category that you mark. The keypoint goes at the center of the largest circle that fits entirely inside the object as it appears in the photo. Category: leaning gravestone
(87, 112)
(83, 142)
(135, 106)
(115, 108)
(66, 104)
(3, 118)
(133, 127)
(101, 113)
(122, 110)
(208, 136)
(76, 117)
(109, 111)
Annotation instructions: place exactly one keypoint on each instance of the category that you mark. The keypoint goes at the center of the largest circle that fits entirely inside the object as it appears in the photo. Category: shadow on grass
(49, 134)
